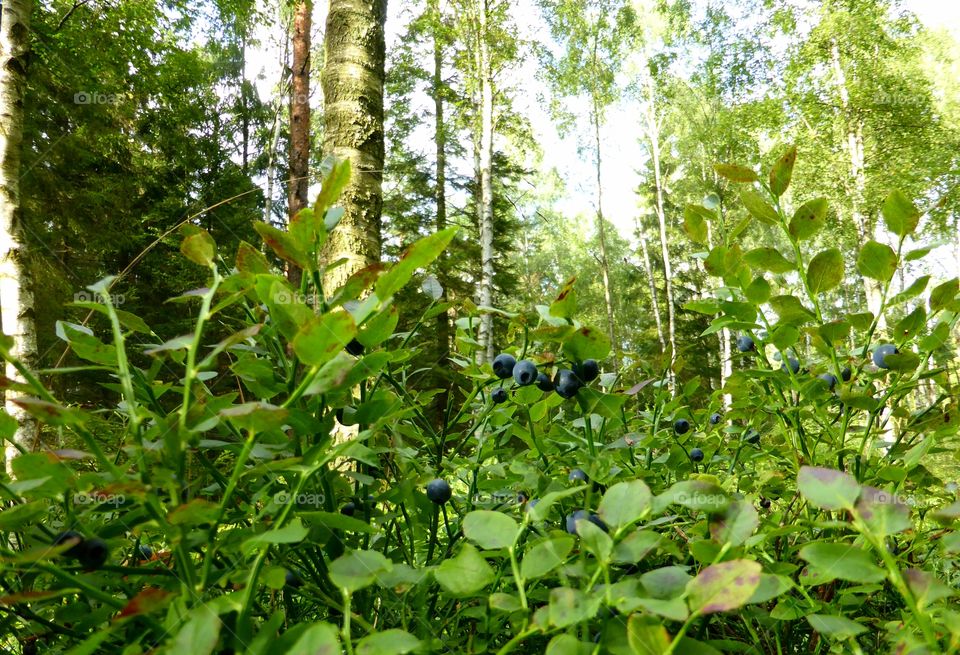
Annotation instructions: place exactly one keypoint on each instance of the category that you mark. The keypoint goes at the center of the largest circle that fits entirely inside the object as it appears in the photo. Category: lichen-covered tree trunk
(16, 296)
(353, 78)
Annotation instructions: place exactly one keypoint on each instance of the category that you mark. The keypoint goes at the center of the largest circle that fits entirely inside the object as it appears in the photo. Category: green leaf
(571, 606)
(902, 361)
(768, 259)
(695, 222)
(736, 525)
(281, 243)
(841, 561)
(595, 540)
(834, 331)
(758, 207)
(809, 219)
(388, 642)
(709, 306)
(358, 569)
(199, 634)
(782, 171)
(735, 172)
(666, 582)
(565, 644)
(464, 574)
(379, 327)
(250, 260)
(198, 246)
(333, 184)
(837, 627)
(828, 489)
(723, 587)
(877, 261)
(926, 588)
(541, 510)
(292, 533)
(915, 289)
(636, 546)
(861, 321)
(323, 337)
(317, 639)
(882, 512)
(910, 325)
(587, 343)
(646, 635)
(825, 271)
(545, 556)
(770, 587)
(418, 255)
(256, 416)
(490, 530)
(900, 214)
(790, 310)
(696, 494)
(758, 291)
(565, 305)
(625, 503)
(943, 295)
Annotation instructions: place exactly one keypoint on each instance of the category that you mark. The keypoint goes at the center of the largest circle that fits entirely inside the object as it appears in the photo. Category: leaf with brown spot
(782, 172)
(147, 601)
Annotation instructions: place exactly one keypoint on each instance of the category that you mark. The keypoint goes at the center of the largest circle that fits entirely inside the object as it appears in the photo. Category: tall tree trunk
(244, 104)
(653, 133)
(602, 237)
(353, 78)
(440, 198)
(299, 164)
(648, 271)
(486, 182)
(16, 294)
(854, 145)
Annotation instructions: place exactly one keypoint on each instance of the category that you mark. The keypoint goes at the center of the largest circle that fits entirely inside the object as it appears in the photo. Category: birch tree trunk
(653, 134)
(486, 183)
(648, 270)
(353, 78)
(16, 295)
(854, 145)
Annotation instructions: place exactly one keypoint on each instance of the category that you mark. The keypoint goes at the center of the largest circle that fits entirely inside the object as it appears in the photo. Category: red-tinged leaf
(251, 260)
(782, 172)
(724, 586)
(34, 596)
(147, 601)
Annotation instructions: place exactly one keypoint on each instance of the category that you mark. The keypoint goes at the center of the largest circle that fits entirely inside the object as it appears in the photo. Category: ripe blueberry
(794, 365)
(588, 370)
(567, 383)
(522, 498)
(75, 550)
(681, 426)
(765, 503)
(715, 418)
(583, 515)
(751, 436)
(577, 475)
(846, 373)
(544, 383)
(503, 365)
(146, 552)
(696, 454)
(531, 504)
(525, 373)
(93, 554)
(292, 580)
(829, 378)
(355, 348)
(499, 395)
(881, 352)
(349, 509)
(438, 491)
(745, 344)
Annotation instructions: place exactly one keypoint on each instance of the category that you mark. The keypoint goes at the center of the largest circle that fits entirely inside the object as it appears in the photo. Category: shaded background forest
(141, 115)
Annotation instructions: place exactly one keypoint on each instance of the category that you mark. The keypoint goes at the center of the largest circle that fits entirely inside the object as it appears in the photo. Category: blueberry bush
(274, 481)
